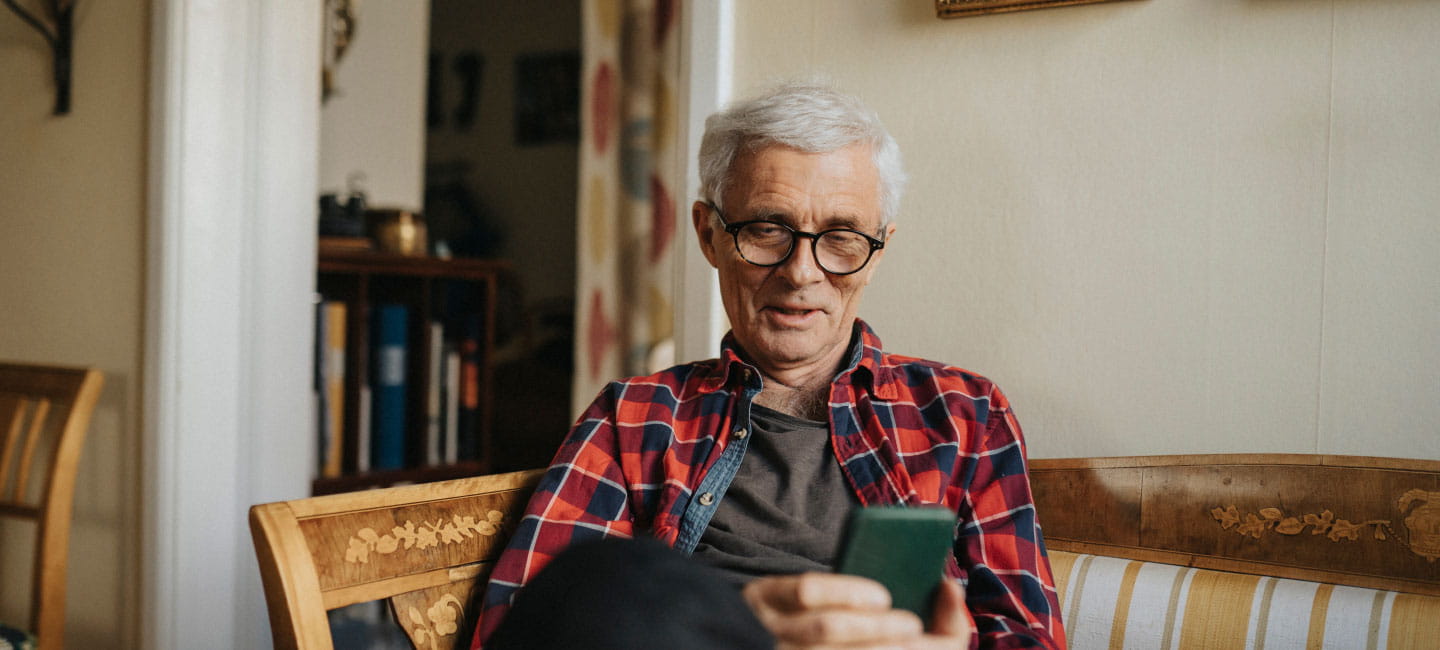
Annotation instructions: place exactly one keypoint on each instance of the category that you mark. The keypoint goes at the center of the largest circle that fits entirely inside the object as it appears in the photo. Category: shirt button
(745, 374)
(741, 433)
(707, 499)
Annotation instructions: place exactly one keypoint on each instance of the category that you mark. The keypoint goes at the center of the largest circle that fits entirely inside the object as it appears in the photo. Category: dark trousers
(628, 594)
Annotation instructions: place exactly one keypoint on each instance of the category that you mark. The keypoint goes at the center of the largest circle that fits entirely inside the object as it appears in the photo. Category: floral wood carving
(1423, 522)
(1275, 519)
(443, 620)
(427, 534)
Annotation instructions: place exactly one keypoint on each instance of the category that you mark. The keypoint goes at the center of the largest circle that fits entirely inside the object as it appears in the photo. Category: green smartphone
(903, 548)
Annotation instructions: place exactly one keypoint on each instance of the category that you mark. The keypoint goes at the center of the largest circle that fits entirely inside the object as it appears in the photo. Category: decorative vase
(398, 231)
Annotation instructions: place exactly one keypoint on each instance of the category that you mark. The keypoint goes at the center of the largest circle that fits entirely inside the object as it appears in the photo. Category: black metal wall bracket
(62, 12)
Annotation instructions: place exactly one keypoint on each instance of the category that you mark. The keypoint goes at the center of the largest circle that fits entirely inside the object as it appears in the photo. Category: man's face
(794, 317)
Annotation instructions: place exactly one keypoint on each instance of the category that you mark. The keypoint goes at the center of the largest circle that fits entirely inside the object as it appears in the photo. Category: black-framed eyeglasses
(838, 251)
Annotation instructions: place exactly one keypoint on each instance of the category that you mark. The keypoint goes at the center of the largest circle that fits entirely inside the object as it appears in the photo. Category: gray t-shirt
(787, 506)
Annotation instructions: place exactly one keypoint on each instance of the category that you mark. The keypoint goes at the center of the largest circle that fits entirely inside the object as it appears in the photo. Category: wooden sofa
(1244, 551)
(1252, 551)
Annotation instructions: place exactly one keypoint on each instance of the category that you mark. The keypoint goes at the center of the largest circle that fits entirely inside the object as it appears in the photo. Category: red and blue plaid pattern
(904, 430)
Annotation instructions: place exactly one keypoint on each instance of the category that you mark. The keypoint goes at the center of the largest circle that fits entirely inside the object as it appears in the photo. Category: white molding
(707, 53)
(234, 124)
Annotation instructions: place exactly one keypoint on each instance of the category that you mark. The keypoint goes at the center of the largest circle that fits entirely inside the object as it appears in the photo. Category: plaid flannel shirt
(654, 455)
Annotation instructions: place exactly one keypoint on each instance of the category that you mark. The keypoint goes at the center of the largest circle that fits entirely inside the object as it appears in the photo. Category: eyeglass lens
(837, 251)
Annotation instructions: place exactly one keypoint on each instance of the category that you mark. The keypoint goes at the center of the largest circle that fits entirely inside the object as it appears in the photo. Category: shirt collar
(867, 363)
(864, 365)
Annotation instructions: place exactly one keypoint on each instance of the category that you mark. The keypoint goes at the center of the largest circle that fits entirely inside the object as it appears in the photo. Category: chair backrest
(44, 414)
(426, 548)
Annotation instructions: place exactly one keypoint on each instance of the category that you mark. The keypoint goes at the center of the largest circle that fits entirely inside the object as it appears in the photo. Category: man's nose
(802, 268)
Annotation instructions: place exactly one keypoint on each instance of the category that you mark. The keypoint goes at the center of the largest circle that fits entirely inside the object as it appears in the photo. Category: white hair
(810, 116)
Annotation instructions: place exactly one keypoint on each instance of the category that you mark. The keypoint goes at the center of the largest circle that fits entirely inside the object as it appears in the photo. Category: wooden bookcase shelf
(431, 290)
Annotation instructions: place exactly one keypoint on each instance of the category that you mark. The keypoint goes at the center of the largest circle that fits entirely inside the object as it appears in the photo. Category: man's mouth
(792, 316)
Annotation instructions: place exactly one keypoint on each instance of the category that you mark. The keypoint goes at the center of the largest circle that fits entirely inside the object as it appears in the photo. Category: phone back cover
(903, 549)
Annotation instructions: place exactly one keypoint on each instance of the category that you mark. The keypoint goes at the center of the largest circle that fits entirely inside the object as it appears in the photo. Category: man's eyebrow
(844, 220)
(770, 214)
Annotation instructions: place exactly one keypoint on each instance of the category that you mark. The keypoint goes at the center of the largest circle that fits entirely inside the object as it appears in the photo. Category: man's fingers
(820, 610)
(951, 617)
(846, 627)
(823, 609)
(811, 591)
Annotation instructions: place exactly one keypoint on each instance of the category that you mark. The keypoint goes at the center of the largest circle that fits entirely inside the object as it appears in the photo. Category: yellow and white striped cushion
(1116, 603)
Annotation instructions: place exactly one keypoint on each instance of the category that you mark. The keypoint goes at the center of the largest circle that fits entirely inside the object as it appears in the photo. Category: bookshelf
(418, 335)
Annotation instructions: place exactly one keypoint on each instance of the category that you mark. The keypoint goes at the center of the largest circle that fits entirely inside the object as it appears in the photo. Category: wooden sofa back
(1345, 520)
(1243, 551)
(427, 549)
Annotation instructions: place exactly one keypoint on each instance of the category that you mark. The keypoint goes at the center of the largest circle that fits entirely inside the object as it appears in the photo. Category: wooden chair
(44, 414)
(426, 548)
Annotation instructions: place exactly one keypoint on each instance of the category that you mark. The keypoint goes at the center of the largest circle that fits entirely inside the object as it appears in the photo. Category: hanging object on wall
(468, 67)
(339, 32)
(959, 8)
(58, 36)
(547, 98)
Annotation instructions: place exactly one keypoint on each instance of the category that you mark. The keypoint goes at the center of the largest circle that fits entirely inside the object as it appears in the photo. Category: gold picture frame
(961, 8)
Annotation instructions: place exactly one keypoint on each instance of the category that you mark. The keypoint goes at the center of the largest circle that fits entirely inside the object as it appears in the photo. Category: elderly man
(750, 463)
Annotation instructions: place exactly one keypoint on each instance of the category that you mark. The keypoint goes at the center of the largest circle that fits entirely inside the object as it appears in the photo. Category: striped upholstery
(1116, 603)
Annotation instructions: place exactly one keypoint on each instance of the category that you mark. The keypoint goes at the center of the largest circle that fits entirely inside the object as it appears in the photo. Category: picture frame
(962, 8)
(547, 98)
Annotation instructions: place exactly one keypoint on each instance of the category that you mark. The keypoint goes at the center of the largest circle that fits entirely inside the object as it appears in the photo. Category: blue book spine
(389, 382)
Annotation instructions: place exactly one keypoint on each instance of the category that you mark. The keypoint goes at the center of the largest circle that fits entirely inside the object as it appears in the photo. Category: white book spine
(452, 405)
(435, 378)
(362, 432)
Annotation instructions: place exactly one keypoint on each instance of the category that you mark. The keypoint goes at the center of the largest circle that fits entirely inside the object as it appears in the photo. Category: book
(332, 371)
(468, 427)
(452, 404)
(364, 429)
(389, 386)
(317, 384)
(435, 380)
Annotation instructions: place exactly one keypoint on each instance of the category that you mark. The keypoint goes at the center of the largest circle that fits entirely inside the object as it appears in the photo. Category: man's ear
(700, 216)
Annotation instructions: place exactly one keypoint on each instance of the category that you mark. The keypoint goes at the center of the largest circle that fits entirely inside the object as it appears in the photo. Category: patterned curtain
(627, 203)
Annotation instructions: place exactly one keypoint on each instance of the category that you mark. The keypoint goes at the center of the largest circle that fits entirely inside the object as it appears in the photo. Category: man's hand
(824, 610)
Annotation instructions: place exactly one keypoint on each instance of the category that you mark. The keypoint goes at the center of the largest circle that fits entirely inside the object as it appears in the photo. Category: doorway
(502, 148)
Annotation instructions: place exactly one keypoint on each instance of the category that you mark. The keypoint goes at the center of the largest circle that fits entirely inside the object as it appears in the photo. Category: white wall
(374, 124)
(71, 284)
(1163, 226)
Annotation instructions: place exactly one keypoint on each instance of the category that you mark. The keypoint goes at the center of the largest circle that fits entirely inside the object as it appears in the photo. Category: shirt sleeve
(581, 497)
(1009, 587)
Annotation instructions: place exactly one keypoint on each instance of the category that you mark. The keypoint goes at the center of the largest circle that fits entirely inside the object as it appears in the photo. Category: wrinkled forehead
(841, 185)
